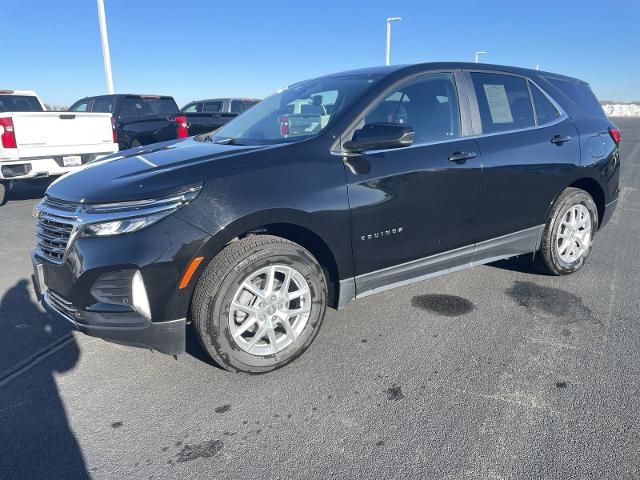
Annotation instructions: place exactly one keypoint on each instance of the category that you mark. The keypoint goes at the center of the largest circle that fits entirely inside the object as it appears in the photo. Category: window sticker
(498, 103)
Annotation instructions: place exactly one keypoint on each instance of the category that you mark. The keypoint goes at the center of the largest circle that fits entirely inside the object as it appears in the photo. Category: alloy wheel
(270, 310)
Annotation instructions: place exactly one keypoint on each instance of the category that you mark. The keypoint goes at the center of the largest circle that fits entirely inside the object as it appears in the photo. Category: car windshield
(296, 113)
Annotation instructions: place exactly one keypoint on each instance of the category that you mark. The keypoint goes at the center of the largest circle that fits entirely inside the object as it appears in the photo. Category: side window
(213, 107)
(239, 106)
(80, 106)
(504, 102)
(129, 107)
(191, 108)
(428, 104)
(545, 111)
(103, 105)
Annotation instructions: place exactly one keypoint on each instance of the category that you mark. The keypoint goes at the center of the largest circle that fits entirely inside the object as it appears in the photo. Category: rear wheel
(568, 235)
(4, 189)
(259, 304)
(135, 143)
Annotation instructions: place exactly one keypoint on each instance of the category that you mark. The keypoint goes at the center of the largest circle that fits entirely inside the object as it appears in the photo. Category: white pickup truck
(36, 144)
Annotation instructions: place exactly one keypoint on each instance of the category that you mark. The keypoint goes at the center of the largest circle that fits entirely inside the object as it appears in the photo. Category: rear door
(410, 204)
(530, 149)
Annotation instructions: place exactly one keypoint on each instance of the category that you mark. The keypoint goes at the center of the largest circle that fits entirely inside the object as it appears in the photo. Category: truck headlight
(126, 217)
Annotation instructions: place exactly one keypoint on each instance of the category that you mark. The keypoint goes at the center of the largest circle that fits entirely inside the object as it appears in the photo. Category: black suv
(331, 189)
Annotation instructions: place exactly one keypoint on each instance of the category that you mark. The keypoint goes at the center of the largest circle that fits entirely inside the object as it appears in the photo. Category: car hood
(152, 171)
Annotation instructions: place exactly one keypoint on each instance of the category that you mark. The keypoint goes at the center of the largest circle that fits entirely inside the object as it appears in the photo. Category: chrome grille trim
(60, 204)
(61, 305)
(55, 228)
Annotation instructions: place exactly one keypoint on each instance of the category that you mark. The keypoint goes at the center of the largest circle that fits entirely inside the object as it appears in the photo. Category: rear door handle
(560, 139)
(461, 156)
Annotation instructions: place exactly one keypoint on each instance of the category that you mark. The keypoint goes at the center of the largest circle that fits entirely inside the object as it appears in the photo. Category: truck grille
(54, 229)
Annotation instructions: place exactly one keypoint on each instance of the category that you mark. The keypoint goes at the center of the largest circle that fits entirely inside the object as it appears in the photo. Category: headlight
(117, 227)
(127, 217)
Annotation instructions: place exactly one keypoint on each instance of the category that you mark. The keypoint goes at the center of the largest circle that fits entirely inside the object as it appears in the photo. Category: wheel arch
(296, 226)
(593, 188)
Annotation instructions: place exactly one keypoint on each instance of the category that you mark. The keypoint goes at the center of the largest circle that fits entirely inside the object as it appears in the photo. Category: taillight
(7, 134)
(183, 126)
(615, 134)
(114, 130)
(284, 125)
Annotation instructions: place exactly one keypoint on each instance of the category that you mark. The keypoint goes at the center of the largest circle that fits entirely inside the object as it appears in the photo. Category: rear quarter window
(580, 94)
(545, 111)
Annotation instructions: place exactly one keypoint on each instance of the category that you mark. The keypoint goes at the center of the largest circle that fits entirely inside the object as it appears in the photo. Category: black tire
(4, 189)
(549, 259)
(221, 280)
(135, 143)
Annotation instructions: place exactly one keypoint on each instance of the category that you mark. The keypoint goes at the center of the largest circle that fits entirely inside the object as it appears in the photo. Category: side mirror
(378, 136)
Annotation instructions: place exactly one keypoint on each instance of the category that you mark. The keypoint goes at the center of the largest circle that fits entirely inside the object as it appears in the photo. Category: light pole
(106, 56)
(389, 20)
(478, 55)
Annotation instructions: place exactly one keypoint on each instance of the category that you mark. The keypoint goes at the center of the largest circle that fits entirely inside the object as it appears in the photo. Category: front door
(411, 206)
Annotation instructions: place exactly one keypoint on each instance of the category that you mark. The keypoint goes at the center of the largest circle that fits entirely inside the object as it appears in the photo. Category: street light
(478, 55)
(389, 20)
(105, 47)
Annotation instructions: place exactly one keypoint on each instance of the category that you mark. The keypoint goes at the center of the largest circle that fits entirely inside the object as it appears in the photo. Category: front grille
(61, 304)
(54, 229)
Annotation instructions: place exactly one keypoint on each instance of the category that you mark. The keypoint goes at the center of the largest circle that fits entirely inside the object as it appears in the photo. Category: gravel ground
(493, 372)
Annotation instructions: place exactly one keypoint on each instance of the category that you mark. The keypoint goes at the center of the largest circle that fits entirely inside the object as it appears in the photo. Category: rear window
(580, 94)
(19, 103)
(504, 102)
(137, 106)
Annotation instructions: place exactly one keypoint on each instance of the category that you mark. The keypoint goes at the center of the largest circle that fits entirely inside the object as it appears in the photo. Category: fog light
(139, 294)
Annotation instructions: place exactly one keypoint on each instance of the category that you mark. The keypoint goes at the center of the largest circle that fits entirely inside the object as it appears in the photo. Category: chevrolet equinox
(329, 190)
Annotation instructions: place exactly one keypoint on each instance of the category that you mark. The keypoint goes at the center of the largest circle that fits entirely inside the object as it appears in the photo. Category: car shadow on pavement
(521, 264)
(194, 348)
(36, 438)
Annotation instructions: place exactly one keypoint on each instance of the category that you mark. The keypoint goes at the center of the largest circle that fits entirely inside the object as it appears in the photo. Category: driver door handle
(462, 156)
(560, 139)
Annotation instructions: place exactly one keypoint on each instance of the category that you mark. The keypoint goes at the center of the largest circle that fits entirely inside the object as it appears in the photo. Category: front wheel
(568, 235)
(259, 304)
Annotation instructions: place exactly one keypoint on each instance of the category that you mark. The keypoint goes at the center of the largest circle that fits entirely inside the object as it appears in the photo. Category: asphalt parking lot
(493, 372)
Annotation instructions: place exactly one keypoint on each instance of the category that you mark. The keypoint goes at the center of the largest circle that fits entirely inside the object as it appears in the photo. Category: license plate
(72, 161)
(38, 279)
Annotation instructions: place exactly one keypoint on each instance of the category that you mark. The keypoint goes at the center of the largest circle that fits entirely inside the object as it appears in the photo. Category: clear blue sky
(198, 48)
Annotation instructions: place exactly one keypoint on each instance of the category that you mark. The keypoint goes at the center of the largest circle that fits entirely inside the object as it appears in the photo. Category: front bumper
(166, 337)
(92, 287)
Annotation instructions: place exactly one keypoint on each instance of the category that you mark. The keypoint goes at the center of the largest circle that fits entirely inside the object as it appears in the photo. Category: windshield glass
(295, 113)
